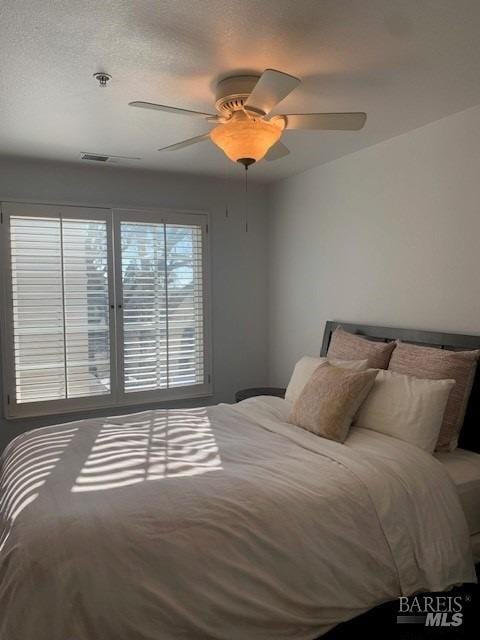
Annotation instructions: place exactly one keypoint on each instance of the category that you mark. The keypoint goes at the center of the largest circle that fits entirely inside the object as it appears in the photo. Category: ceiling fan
(244, 131)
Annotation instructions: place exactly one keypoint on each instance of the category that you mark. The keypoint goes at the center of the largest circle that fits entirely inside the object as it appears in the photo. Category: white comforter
(224, 523)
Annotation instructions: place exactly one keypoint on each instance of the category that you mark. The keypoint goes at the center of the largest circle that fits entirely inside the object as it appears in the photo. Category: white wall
(239, 262)
(389, 235)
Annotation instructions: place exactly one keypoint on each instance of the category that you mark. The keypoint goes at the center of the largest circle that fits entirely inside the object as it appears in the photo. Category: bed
(221, 522)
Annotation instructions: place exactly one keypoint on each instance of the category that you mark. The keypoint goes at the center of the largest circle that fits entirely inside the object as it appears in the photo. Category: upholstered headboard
(470, 436)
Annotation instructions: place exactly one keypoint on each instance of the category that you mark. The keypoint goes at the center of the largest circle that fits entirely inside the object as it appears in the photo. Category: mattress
(475, 542)
(463, 467)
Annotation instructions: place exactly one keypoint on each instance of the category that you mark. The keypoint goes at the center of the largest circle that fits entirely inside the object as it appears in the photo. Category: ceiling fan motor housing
(233, 92)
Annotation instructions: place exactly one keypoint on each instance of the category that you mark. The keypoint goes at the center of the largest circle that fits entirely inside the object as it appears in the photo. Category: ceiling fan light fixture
(245, 137)
(244, 130)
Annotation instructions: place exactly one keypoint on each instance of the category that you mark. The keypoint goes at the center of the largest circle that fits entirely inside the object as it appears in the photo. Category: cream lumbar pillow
(405, 407)
(306, 366)
(330, 399)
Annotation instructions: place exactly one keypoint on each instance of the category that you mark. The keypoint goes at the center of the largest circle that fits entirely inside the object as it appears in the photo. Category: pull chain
(246, 198)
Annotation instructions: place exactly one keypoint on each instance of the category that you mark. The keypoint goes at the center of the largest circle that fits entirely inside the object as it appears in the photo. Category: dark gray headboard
(470, 436)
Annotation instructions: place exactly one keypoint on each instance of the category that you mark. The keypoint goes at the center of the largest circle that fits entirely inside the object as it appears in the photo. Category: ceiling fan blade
(279, 150)
(272, 87)
(326, 121)
(164, 107)
(185, 143)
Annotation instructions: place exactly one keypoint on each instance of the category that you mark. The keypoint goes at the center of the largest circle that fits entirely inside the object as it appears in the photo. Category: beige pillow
(439, 364)
(347, 346)
(306, 366)
(405, 407)
(330, 399)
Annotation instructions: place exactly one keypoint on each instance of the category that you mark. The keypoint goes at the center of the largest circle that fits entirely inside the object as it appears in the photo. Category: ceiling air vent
(94, 156)
(100, 157)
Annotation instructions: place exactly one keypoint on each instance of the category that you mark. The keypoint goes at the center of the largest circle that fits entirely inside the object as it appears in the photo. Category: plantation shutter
(102, 308)
(60, 307)
(163, 305)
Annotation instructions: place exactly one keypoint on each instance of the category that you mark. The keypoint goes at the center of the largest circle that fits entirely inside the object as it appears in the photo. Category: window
(60, 307)
(103, 307)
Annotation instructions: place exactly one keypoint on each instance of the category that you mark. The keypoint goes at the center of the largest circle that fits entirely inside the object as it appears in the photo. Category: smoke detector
(102, 78)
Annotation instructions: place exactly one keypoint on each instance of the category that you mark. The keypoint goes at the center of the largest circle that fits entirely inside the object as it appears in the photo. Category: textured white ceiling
(404, 62)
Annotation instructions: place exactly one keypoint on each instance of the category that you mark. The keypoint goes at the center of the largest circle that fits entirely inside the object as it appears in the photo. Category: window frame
(117, 397)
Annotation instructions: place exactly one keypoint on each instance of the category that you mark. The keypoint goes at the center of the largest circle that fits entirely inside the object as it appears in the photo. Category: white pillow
(406, 408)
(305, 367)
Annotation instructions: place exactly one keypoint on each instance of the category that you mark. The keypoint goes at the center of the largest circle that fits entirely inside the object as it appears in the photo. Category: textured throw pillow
(437, 364)
(405, 407)
(306, 366)
(347, 346)
(330, 399)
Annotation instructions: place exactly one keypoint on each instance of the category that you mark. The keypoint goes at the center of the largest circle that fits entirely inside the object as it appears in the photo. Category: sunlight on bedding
(163, 445)
(34, 460)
